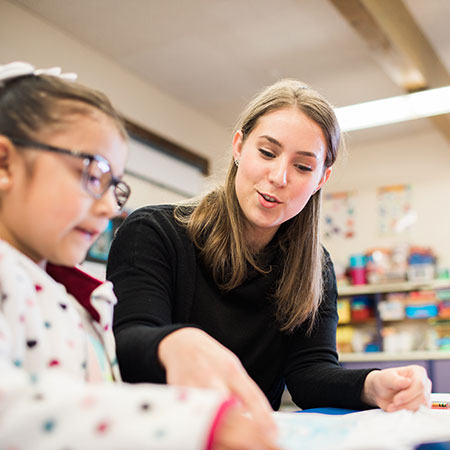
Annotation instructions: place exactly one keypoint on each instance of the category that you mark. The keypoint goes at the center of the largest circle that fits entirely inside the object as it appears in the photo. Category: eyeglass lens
(98, 178)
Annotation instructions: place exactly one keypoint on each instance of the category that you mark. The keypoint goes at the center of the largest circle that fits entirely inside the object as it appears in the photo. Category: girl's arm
(54, 410)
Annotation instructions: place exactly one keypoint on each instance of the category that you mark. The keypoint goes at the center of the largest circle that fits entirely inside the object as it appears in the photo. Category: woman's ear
(7, 153)
(237, 145)
(324, 178)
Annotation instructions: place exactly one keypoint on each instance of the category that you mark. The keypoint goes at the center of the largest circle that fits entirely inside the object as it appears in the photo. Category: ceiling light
(395, 109)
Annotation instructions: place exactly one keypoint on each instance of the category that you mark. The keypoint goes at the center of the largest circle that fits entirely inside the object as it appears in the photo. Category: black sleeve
(313, 375)
(142, 265)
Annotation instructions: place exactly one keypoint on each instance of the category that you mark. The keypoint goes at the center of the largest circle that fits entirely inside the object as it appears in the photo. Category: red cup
(358, 275)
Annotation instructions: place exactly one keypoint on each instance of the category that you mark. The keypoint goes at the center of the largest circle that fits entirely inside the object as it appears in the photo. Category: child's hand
(237, 431)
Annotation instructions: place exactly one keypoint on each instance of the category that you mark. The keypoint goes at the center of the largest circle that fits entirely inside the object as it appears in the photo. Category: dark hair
(29, 103)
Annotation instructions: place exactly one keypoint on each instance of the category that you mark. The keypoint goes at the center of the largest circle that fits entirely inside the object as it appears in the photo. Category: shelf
(391, 356)
(404, 286)
(370, 321)
(386, 322)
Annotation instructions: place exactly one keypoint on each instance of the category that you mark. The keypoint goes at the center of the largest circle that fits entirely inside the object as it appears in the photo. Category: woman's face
(281, 164)
(45, 211)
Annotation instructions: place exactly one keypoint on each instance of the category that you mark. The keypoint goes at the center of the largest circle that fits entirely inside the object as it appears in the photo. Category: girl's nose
(106, 205)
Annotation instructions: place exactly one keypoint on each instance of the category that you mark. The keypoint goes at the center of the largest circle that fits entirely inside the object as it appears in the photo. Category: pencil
(440, 405)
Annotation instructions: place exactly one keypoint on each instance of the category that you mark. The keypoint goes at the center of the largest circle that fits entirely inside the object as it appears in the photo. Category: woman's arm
(153, 266)
(315, 378)
(143, 268)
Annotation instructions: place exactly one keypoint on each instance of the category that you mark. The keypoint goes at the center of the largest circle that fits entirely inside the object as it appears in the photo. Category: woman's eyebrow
(279, 144)
(272, 140)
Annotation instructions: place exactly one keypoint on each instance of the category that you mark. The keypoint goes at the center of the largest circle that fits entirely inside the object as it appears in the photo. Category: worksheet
(365, 430)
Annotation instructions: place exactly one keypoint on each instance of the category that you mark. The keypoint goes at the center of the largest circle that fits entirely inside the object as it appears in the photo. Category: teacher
(234, 291)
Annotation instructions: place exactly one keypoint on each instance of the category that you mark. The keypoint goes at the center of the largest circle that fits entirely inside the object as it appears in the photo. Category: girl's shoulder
(22, 278)
(12, 260)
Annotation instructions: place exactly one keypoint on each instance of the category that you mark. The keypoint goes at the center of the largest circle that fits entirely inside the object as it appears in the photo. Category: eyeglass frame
(115, 181)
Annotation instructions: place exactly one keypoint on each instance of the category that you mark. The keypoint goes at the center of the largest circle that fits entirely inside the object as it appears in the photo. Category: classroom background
(180, 71)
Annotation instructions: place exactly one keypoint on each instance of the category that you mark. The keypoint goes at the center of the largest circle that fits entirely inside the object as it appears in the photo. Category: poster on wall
(395, 212)
(339, 215)
(100, 249)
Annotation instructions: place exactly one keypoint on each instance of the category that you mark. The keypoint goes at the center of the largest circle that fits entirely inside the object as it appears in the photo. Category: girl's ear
(7, 153)
(237, 145)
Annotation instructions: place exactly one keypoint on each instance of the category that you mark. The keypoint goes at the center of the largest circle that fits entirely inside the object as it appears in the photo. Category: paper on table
(440, 398)
(365, 430)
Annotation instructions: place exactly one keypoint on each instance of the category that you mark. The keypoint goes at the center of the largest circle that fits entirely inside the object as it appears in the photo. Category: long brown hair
(216, 222)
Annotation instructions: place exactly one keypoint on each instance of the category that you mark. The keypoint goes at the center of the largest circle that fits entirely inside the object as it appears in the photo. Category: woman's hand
(237, 431)
(398, 388)
(193, 358)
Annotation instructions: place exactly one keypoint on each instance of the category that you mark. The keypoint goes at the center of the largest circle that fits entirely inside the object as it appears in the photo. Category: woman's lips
(268, 201)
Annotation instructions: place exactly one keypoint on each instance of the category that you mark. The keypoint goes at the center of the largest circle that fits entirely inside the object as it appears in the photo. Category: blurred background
(181, 71)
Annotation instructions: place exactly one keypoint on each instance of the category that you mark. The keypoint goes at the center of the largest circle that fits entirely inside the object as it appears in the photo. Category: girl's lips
(89, 234)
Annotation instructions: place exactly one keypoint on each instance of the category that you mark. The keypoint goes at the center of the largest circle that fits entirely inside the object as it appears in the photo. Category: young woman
(235, 291)
(62, 155)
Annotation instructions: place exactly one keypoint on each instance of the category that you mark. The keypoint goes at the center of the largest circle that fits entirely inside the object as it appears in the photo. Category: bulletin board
(395, 211)
(339, 215)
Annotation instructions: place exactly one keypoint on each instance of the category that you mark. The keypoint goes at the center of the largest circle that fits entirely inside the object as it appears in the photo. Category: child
(62, 154)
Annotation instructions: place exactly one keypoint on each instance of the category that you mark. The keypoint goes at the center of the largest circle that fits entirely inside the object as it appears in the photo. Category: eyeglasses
(97, 176)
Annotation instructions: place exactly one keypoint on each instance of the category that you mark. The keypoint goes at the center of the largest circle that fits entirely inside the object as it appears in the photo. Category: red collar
(77, 283)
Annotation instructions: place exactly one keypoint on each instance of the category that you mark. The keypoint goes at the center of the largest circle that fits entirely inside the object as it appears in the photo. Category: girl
(236, 287)
(62, 155)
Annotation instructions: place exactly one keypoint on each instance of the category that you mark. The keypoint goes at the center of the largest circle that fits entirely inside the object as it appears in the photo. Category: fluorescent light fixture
(395, 109)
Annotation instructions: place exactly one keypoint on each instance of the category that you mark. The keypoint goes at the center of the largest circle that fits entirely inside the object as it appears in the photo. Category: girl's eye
(266, 153)
(303, 168)
(94, 180)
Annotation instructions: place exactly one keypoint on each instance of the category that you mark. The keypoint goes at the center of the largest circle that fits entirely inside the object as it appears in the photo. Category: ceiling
(213, 55)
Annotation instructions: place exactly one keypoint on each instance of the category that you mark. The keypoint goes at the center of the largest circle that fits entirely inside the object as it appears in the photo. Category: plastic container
(358, 269)
(391, 310)
(421, 311)
(357, 260)
(361, 308)
(344, 310)
(358, 275)
(420, 272)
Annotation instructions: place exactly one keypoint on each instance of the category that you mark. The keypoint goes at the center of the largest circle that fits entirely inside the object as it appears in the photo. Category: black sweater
(162, 285)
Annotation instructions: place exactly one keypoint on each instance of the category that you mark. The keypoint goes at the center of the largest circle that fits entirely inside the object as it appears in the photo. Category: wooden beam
(402, 30)
(395, 63)
(398, 44)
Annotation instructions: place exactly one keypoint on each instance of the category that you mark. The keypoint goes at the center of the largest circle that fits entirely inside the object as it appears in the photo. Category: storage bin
(420, 272)
(421, 311)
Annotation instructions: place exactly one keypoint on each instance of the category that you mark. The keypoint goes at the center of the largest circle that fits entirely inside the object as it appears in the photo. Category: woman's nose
(278, 174)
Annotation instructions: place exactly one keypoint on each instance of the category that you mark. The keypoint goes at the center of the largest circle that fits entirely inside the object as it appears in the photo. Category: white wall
(27, 37)
(416, 155)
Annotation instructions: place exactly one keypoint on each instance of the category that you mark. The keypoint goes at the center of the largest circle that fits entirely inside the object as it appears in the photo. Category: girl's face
(44, 210)
(281, 164)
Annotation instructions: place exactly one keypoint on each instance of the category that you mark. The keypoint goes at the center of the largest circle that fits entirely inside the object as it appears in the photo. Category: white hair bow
(20, 69)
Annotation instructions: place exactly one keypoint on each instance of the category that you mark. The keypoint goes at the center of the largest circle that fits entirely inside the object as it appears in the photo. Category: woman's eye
(304, 168)
(266, 153)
